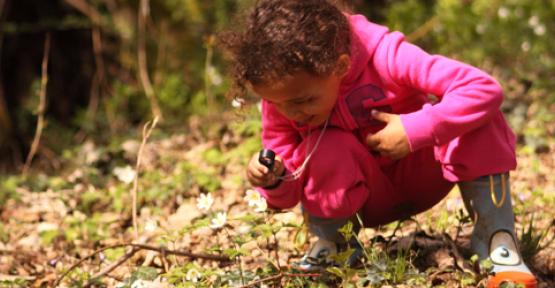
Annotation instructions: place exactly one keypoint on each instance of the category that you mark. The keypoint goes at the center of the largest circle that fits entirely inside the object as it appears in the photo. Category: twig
(112, 266)
(276, 250)
(143, 247)
(457, 258)
(141, 54)
(278, 277)
(96, 90)
(5, 122)
(263, 280)
(87, 9)
(147, 129)
(423, 29)
(208, 71)
(42, 105)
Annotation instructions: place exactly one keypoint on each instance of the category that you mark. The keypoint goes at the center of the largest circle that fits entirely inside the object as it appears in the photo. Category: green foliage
(206, 178)
(15, 283)
(8, 185)
(531, 239)
(510, 37)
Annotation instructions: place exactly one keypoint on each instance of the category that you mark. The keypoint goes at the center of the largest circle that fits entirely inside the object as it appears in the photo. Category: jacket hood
(365, 38)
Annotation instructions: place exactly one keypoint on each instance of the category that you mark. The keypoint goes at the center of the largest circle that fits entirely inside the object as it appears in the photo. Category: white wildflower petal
(125, 174)
(150, 225)
(214, 76)
(237, 102)
(480, 28)
(193, 275)
(539, 30)
(47, 226)
(503, 12)
(205, 201)
(534, 21)
(219, 221)
(261, 206)
(252, 197)
(525, 46)
(139, 284)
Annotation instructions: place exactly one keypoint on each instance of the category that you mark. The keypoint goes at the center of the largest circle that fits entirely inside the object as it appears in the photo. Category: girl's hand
(392, 140)
(260, 176)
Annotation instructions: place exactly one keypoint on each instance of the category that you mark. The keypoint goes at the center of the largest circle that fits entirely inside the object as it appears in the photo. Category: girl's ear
(342, 65)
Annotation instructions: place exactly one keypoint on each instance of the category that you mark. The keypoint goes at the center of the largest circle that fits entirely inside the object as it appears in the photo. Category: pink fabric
(465, 129)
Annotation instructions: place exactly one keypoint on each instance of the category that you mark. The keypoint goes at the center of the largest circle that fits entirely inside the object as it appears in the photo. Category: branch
(112, 266)
(87, 9)
(423, 29)
(42, 105)
(141, 54)
(138, 247)
(278, 277)
(147, 130)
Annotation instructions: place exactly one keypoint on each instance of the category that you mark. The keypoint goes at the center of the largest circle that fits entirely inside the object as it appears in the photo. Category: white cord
(299, 171)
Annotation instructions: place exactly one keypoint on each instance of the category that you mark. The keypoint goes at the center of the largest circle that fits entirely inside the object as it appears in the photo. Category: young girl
(346, 108)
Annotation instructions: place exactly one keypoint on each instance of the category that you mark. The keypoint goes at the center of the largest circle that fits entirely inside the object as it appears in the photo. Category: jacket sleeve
(279, 135)
(468, 96)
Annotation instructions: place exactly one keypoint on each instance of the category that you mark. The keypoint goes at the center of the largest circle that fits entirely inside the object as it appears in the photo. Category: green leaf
(301, 237)
(336, 271)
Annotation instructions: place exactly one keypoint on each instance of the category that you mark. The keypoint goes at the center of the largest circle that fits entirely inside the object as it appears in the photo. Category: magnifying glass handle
(267, 158)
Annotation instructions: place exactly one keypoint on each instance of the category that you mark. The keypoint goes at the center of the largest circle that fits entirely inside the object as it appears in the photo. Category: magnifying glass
(267, 158)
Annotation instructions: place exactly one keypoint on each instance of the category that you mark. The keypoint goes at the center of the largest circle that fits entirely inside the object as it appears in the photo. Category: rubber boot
(488, 200)
(330, 242)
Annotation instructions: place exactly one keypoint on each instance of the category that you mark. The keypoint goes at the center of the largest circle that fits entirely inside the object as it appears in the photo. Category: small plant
(531, 239)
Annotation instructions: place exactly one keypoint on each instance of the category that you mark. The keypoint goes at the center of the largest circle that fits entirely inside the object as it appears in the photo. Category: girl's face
(304, 98)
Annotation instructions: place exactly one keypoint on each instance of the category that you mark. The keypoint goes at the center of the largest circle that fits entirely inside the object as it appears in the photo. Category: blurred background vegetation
(114, 64)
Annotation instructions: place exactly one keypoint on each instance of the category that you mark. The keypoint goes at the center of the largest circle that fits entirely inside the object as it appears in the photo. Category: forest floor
(81, 221)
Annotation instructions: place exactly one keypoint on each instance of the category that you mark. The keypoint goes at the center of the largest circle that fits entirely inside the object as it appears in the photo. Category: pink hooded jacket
(394, 76)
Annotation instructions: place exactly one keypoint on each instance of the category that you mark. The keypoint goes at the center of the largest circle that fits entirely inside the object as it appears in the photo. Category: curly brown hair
(283, 37)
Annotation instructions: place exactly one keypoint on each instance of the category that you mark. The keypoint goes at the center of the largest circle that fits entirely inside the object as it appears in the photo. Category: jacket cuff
(419, 128)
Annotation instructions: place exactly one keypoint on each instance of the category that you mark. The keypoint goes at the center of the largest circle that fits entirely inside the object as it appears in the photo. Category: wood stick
(112, 266)
(279, 277)
(147, 130)
(142, 59)
(42, 105)
(143, 247)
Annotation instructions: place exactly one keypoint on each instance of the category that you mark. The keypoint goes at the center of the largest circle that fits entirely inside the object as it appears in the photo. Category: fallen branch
(112, 266)
(136, 248)
(42, 105)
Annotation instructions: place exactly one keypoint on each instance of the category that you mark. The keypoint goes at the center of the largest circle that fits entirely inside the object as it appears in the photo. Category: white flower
(46, 226)
(453, 204)
(219, 220)
(525, 46)
(150, 225)
(261, 206)
(252, 197)
(534, 21)
(125, 174)
(138, 284)
(480, 28)
(539, 30)
(214, 76)
(503, 12)
(205, 201)
(237, 102)
(193, 275)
